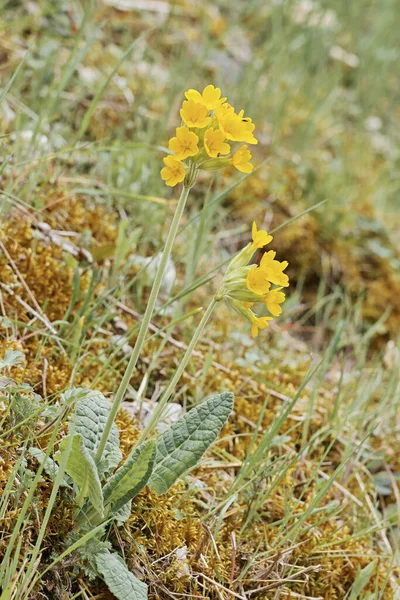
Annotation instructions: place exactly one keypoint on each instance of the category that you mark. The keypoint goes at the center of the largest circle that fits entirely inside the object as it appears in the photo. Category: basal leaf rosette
(245, 284)
(209, 138)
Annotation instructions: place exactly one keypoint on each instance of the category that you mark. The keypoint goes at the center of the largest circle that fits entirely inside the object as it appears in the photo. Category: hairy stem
(146, 318)
(179, 372)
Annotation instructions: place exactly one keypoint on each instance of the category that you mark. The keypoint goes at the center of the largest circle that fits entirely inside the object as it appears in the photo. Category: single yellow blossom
(232, 126)
(223, 109)
(194, 114)
(257, 280)
(244, 309)
(274, 269)
(184, 144)
(241, 159)
(260, 238)
(236, 127)
(173, 172)
(214, 143)
(273, 299)
(259, 323)
(210, 97)
(249, 127)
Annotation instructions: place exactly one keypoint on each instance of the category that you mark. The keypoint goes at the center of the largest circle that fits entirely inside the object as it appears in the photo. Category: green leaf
(11, 81)
(119, 580)
(91, 414)
(183, 444)
(130, 478)
(362, 580)
(123, 513)
(12, 358)
(49, 466)
(82, 470)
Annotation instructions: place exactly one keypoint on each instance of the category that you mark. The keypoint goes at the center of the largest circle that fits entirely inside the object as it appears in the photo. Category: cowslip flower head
(214, 143)
(195, 114)
(210, 97)
(173, 172)
(207, 137)
(241, 159)
(184, 144)
(245, 285)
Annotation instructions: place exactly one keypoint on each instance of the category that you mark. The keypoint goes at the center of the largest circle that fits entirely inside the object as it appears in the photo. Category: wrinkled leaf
(130, 478)
(91, 413)
(49, 466)
(82, 470)
(183, 444)
(123, 513)
(119, 580)
(12, 358)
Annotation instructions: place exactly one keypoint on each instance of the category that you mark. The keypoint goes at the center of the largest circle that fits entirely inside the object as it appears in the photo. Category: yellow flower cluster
(244, 284)
(209, 124)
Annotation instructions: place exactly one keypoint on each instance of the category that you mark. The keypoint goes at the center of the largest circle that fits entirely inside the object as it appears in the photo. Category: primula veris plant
(103, 490)
(209, 123)
(245, 284)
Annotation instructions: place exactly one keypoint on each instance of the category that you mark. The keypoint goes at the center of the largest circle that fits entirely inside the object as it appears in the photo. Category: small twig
(276, 584)
(301, 596)
(214, 543)
(53, 422)
(26, 287)
(228, 591)
(29, 308)
(58, 238)
(344, 491)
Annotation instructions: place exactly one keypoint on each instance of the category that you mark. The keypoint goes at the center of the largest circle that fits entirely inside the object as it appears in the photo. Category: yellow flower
(173, 172)
(244, 309)
(273, 299)
(240, 160)
(232, 126)
(214, 143)
(257, 280)
(194, 114)
(274, 269)
(245, 285)
(260, 238)
(184, 144)
(211, 97)
(223, 109)
(236, 127)
(259, 323)
(249, 127)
